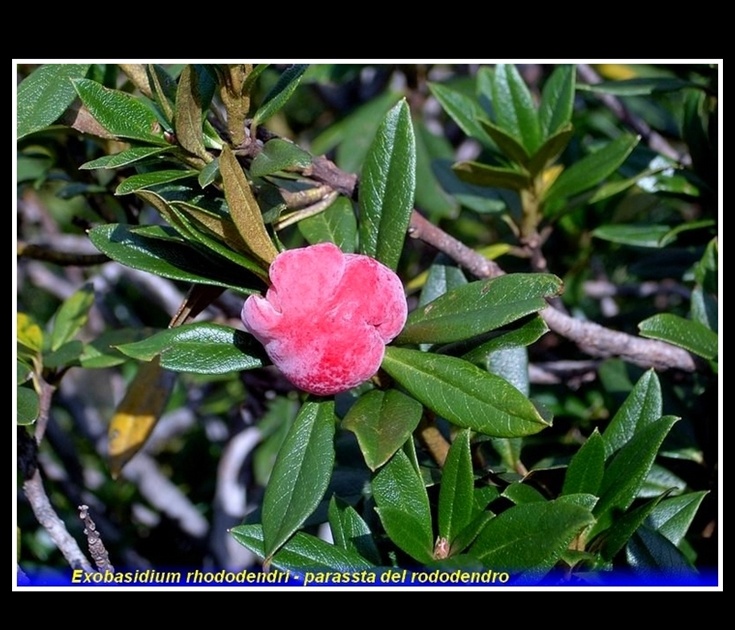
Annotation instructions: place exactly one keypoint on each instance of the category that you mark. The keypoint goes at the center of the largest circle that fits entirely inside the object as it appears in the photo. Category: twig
(94, 541)
(38, 252)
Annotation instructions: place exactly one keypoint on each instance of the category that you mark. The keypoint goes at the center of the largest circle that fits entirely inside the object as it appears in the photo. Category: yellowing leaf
(29, 332)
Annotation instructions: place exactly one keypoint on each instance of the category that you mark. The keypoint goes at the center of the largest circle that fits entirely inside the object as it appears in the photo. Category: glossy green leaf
(403, 507)
(66, 355)
(586, 469)
(526, 334)
(144, 249)
(639, 86)
(300, 475)
(303, 553)
(491, 176)
(350, 531)
(512, 365)
(649, 550)
(164, 88)
(279, 155)
(71, 316)
(592, 169)
(280, 93)
(44, 95)
(153, 178)
(382, 422)
(202, 348)
(431, 198)
(673, 517)
(337, 224)
(188, 114)
(520, 493)
(387, 187)
(514, 108)
(439, 280)
(244, 208)
(457, 487)
(463, 393)
(689, 226)
(660, 480)
(557, 100)
(469, 534)
(508, 144)
(637, 235)
(120, 113)
(28, 406)
(624, 527)
(101, 352)
(465, 111)
(209, 173)
(626, 472)
(528, 539)
(550, 150)
(642, 407)
(685, 333)
(479, 307)
(124, 158)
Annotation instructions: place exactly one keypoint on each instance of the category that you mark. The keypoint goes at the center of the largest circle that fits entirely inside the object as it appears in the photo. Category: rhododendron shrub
(327, 316)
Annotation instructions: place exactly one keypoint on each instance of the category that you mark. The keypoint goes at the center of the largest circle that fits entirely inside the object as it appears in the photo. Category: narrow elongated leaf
(430, 196)
(585, 471)
(642, 407)
(202, 348)
(303, 553)
(636, 235)
(382, 422)
(279, 155)
(649, 550)
(685, 333)
(530, 332)
(639, 86)
(71, 316)
(188, 114)
(592, 169)
(550, 150)
(457, 488)
(510, 146)
(514, 108)
(479, 307)
(244, 209)
(300, 475)
(440, 279)
(626, 473)
(463, 393)
(624, 528)
(45, 94)
(120, 113)
(337, 224)
(491, 176)
(387, 187)
(528, 539)
(519, 493)
(124, 158)
(350, 531)
(403, 507)
(280, 93)
(167, 257)
(154, 178)
(557, 100)
(672, 517)
(465, 111)
(164, 88)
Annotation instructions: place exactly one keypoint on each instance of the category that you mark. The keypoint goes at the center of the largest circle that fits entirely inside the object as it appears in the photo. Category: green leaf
(146, 250)
(120, 113)
(526, 334)
(649, 550)
(491, 176)
(302, 554)
(201, 348)
(66, 355)
(71, 316)
(279, 155)
(102, 353)
(479, 307)
(520, 493)
(430, 196)
(337, 224)
(382, 422)
(557, 101)
(465, 111)
(528, 539)
(463, 393)
(300, 475)
(350, 531)
(626, 472)
(509, 145)
(387, 187)
(673, 517)
(403, 507)
(550, 150)
(209, 173)
(585, 471)
(457, 488)
(124, 158)
(439, 280)
(188, 114)
(28, 406)
(642, 407)
(624, 527)
(244, 208)
(163, 87)
(514, 108)
(154, 178)
(636, 235)
(44, 95)
(685, 333)
(640, 86)
(280, 93)
(592, 169)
